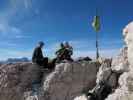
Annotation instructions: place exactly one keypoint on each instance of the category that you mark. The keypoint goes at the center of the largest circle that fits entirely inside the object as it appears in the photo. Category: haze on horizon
(25, 22)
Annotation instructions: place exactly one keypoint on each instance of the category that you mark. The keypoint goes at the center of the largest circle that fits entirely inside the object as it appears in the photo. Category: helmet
(40, 43)
(62, 45)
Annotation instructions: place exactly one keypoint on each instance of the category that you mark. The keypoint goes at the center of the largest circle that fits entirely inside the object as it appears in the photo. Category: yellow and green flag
(96, 23)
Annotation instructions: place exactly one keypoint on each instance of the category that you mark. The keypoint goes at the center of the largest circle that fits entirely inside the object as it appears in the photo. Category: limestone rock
(119, 94)
(69, 80)
(103, 73)
(17, 78)
(128, 34)
(83, 97)
(64, 83)
(120, 63)
(125, 91)
(10, 77)
(126, 81)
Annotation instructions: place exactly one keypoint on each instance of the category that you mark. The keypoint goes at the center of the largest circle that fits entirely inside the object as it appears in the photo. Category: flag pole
(97, 45)
(96, 26)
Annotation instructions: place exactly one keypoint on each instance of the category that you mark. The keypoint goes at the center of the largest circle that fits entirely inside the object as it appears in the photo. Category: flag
(96, 23)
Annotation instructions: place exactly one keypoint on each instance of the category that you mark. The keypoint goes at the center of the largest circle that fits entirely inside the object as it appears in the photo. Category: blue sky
(25, 22)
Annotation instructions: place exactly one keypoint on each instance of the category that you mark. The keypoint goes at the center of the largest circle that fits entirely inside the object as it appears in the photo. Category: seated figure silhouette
(68, 51)
(38, 57)
(64, 53)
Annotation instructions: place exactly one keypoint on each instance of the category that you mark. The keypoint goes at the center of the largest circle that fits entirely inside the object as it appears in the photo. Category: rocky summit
(122, 65)
(70, 80)
(125, 89)
(67, 81)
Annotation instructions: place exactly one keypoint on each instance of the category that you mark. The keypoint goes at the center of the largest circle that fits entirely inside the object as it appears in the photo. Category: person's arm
(34, 55)
(71, 50)
(37, 55)
(57, 52)
(40, 54)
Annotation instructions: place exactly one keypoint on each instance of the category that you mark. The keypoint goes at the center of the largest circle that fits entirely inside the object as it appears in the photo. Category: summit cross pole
(96, 26)
(97, 46)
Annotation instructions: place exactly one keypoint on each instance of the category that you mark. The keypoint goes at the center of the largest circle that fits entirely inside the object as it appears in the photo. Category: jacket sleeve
(34, 55)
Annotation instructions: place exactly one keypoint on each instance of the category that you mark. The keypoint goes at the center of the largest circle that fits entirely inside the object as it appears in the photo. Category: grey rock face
(10, 80)
(104, 74)
(15, 79)
(69, 80)
(120, 63)
(125, 90)
(64, 83)
(82, 97)
(123, 64)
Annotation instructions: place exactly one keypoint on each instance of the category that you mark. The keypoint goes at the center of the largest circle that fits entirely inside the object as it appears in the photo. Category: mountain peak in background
(15, 60)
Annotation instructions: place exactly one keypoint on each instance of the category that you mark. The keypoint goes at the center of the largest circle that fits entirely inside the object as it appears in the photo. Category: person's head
(40, 44)
(61, 45)
(67, 44)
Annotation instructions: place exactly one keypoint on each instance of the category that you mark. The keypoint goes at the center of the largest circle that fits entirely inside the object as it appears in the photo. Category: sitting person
(38, 57)
(42, 61)
(68, 52)
(60, 53)
(64, 53)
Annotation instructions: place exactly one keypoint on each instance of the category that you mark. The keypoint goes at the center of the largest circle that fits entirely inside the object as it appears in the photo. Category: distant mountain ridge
(15, 60)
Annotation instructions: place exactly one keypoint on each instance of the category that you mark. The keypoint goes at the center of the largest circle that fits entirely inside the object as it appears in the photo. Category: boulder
(106, 74)
(128, 37)
(120, 62)
(10, 78)
(15, 79)
(120, 95)
(82, 97)
(69, 80)
(125, 90)
(103, 73)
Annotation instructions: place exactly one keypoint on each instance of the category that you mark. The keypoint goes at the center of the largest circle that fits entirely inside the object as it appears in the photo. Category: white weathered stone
(128, 34)
(17, 78)
(32, 98)
(83, 97)
(69, 80)
(120, 63)
(125, 90)
(120, 94)
(103, 73)
(126, 81)
(64, 83)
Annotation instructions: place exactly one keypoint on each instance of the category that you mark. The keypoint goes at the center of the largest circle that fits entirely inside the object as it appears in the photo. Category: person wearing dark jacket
(42, 61)
(68, 51)
(60, 53)
(38, 57)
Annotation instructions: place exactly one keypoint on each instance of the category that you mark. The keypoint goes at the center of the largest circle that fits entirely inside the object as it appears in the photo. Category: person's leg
(39, 62)
(58, 59)
(45, 62)
(53, 64)
(69, 58)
